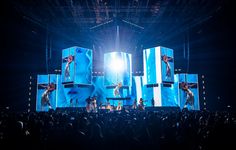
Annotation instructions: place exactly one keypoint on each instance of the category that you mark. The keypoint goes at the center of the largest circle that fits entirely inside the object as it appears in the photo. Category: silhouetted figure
(141, 104)
(93, 104)
(134, 106)
(88, 102)
(153, 102)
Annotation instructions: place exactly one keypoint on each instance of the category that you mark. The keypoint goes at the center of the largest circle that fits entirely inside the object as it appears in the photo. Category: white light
(202, 76)
(204, 98)
(203, 87)
(30, 77)
(29, 99)
(203, 82)
(204, 103)
(117, 65)
(29, 93)
(30, 82)
(204, 92)
(29, 88)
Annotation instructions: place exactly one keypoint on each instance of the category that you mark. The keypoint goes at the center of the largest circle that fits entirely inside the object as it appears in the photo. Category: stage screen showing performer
(166, 60)
(68, 60)
(117, 90)
(45, 100)
(189, 94)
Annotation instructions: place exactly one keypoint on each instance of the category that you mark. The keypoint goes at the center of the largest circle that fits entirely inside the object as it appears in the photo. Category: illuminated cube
(192, 81)
(46, 99)
(117, 69)
(158, 64)
(76, 65)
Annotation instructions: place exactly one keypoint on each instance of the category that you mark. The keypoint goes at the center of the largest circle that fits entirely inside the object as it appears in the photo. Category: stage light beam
(117, 65)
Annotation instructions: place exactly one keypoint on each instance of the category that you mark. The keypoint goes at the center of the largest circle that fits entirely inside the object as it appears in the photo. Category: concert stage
(158, 86)
(127, 107)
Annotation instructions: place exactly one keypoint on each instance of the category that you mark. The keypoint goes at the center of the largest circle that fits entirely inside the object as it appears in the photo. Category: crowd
(124, 129)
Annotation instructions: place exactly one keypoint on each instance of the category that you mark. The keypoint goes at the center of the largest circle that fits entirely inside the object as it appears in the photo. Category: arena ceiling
(77, 16)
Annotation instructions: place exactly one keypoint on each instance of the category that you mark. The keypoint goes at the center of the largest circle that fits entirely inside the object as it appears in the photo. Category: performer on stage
(94, 104)
(190, 96)
(153, 102)
(119, 106)
(69, 59)
(141, 104)
(117, 90)
(88, 101)
(45, 96)
(168, 68)
(109, 106)
(134, 106)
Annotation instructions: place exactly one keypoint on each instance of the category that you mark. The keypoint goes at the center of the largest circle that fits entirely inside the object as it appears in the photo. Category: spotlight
(117, 65)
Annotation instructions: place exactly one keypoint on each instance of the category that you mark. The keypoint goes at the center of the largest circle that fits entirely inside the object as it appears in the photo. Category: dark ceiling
(80, 16)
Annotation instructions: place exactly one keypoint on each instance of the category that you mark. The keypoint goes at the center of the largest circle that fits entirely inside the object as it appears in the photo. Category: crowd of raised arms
(125, 129)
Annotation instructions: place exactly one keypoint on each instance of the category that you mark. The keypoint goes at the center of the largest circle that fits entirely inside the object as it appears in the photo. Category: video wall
(159, 86)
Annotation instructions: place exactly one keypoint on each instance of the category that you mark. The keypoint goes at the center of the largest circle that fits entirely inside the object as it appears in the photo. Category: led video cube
(45, 98)
(76, 65)
(192, 81)
(158, 63)
(117, 68)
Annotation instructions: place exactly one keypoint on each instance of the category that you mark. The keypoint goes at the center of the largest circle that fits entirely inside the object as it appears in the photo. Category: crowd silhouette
(125, 129)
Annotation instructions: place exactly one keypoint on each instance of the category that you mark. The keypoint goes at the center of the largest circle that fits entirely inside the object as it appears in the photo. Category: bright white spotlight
(117, 65)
